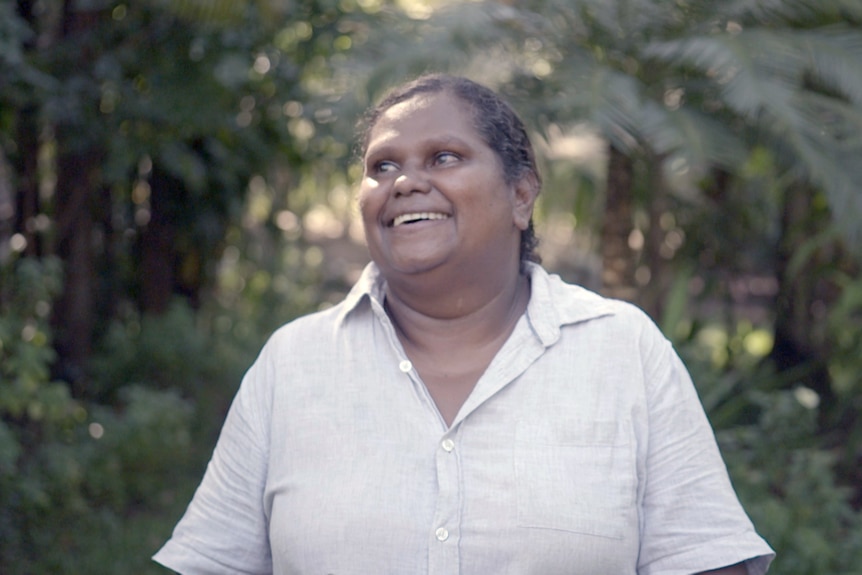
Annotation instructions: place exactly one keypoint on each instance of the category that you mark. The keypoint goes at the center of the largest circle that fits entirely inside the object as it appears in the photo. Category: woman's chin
(411, 265)
(413, 261)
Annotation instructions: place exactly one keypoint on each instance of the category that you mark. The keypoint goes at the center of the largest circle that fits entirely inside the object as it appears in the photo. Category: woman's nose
(411, 181)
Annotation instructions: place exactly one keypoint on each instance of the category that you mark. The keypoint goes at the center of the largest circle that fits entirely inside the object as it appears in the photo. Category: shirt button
(448, 445)
(405, 366)
(442, 534)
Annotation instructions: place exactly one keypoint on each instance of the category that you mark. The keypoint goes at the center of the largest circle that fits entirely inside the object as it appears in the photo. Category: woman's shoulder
(574, 303)
(308, 327)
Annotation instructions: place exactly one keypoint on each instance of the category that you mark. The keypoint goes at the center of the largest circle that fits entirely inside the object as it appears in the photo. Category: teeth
(418, 216)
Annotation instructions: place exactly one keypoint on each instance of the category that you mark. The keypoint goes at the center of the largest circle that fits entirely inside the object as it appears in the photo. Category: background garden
(176, 180)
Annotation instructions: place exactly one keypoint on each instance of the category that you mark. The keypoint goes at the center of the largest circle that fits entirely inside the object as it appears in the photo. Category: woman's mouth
(418, 217)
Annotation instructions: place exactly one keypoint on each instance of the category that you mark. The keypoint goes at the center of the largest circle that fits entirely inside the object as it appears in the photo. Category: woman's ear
(526, 191)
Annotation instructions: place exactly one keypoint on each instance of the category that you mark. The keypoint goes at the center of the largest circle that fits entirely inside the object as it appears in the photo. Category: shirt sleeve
(225, 528)
(691, 518)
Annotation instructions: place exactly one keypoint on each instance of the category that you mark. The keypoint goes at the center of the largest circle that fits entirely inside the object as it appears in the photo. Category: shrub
(72, 470)
(787, 483)
(784, 471)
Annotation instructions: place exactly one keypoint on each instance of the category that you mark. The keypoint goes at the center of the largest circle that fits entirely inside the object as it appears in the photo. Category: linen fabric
(583, 449)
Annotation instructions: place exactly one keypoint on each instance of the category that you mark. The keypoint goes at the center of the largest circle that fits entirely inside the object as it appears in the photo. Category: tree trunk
(78, 162)
(157, 242)
(7, 213)
(619, 260)
(26, 166)
(655, 287)
(74, 312)
(27, 157)
(795, 323)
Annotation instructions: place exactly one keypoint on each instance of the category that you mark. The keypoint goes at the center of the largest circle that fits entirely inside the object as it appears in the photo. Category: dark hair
(494, 119)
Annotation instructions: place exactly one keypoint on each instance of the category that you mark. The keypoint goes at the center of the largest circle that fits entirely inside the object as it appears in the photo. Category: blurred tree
(133, 131)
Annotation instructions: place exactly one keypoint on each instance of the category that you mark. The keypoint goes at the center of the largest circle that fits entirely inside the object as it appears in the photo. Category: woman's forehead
(434, 115)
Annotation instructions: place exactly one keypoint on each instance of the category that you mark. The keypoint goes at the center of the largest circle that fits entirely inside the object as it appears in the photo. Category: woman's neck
(480, 313)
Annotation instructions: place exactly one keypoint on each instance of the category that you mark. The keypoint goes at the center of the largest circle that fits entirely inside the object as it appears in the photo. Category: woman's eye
(384, 166)
(445, 158)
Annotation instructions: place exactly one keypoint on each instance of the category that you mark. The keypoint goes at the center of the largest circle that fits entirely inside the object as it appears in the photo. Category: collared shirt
(582, 450)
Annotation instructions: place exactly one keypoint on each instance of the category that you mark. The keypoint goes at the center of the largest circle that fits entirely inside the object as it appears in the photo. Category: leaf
(754, 70)
(702, 141)
(835, 54)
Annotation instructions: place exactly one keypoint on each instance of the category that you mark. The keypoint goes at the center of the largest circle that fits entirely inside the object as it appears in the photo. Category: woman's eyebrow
(391, 148)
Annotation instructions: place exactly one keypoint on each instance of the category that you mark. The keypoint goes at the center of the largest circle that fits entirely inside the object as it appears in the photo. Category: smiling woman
(424, 157)
(462, 411)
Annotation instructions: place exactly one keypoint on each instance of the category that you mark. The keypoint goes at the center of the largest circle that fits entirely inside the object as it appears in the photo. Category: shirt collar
(553, 303)
(369, 285)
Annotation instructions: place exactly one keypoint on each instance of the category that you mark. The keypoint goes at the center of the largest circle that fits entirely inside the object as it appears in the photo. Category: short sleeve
(691, 519)
(224, 530)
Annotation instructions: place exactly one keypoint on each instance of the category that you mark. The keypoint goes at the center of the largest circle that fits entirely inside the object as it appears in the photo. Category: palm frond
(824, 145)
(701, 141)
(754, 70)
(778, 11)
(830, 119)
(610, 101)
(625, 20)
(835, 58)
(837, 170)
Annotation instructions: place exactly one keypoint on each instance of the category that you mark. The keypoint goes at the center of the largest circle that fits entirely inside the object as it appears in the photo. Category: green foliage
(83, 488)
(93, 485)
(96, 486)
(844, 326)
(36, 414)
(789, 478)
(164, 351)
(788, 485)
(19, 79)
(28, 289)
(146, 438)
(180, 107)
(66, 464)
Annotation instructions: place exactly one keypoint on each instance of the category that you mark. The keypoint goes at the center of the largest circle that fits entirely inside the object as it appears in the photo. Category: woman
(462, 411)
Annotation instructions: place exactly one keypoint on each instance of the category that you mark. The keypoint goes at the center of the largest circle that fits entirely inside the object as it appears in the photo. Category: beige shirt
(582, 450)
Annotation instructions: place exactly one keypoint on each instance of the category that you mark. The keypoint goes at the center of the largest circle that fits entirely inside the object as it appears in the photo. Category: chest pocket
(578, 478)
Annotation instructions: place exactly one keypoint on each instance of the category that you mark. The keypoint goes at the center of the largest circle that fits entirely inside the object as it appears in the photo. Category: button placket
(444, 553)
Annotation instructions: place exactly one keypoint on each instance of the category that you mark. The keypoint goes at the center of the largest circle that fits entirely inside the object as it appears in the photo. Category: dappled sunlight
(320, 223)
(746, 346)
(806, 397)
(96, 430)
(581, 144)
(758, 343)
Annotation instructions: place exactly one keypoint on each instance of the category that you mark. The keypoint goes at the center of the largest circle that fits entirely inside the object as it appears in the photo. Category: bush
(784, 471)
(788, 485)
(37, 415)
(164, 351)
(71, 471)
(142, 445)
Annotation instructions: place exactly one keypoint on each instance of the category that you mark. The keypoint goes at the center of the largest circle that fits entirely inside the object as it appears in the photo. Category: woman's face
(434, 194)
